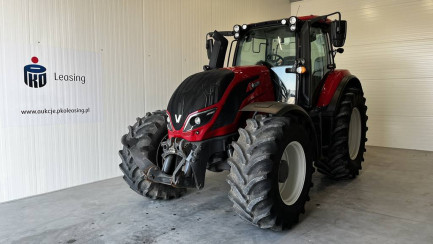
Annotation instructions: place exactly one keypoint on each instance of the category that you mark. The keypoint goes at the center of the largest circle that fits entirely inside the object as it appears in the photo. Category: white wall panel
(146, 49)
(163, 51)
(45, 158)
(388, 48)
(119, 38)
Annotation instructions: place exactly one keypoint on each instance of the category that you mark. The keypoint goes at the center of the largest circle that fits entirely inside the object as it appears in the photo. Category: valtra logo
(35, 75)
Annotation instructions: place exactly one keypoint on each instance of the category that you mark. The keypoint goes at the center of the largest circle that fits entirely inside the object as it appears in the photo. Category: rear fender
(333, 88)
(348, 81)
(286, 110)
(330, 99)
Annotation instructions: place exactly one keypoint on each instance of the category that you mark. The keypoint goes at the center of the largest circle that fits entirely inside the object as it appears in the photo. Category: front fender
(276, 108)
(286, 110)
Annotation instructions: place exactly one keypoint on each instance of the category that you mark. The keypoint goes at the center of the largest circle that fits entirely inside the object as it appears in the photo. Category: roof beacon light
(283, 21)
(292, 20)
(236, 28)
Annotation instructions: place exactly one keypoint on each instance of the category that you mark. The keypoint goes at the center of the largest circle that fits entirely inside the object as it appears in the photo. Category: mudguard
(284, 109)
(276, 108)
(333, 88)
(330, 99)
(350, 81)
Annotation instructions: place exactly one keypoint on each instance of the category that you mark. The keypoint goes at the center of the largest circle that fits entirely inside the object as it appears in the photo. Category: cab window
(319, 54)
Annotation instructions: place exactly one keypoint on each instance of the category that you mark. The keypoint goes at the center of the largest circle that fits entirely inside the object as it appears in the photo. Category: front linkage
(184, 163)
(178, 156)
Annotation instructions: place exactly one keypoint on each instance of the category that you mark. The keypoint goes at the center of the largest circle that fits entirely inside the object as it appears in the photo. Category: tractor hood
(198, 91)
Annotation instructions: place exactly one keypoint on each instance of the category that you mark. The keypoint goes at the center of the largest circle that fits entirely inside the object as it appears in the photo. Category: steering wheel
(275, 59)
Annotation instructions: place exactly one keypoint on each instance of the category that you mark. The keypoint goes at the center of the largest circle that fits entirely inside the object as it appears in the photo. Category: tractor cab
(298, 51)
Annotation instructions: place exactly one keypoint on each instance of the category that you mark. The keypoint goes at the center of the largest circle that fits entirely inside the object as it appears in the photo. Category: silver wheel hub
(354, 141)
(292, 180)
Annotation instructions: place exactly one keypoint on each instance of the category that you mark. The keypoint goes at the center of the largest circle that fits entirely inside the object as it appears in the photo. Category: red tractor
(281, 106)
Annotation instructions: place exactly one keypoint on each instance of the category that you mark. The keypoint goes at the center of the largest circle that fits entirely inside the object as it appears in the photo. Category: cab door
(319, 55)
(314, 49)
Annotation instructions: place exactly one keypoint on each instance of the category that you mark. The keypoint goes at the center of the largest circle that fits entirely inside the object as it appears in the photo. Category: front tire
(271, 170)
(146, 135)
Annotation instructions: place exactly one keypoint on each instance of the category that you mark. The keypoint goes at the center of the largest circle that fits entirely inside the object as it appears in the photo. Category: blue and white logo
(35, 75)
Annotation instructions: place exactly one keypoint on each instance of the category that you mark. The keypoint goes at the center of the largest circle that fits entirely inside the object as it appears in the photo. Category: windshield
(275, 46)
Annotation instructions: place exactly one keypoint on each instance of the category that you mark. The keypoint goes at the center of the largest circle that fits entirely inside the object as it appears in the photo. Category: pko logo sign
(35, 75)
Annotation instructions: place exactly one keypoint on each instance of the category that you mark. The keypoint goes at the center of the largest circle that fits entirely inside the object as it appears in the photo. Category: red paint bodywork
(331, 84)
(309, 17)
(263, 92)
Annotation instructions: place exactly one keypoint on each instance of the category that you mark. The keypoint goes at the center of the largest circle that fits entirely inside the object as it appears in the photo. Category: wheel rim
(354, 133)
(294, 158)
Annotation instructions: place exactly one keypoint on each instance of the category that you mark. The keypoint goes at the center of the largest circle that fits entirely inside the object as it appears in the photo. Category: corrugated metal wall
(146, 49)
(389, 47)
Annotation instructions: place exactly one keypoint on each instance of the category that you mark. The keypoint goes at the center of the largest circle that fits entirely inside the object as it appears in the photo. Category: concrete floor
(391, 202)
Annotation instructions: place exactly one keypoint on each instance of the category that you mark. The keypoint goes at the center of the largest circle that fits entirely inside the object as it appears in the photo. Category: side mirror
(219, 49)
(209, 47)
(338, 32)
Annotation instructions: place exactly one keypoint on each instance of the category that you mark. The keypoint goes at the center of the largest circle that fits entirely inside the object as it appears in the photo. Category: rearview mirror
(218, 53)
(338, 32)
(209, 47)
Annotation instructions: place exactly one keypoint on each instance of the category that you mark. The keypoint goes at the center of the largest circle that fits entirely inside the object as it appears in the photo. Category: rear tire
(345, 154)
(257, 172)
(146, 134)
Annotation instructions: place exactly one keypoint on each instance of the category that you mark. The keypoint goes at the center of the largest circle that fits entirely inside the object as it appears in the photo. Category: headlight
(199, 119)
(244, 27)
(283, 21)
(236, 35)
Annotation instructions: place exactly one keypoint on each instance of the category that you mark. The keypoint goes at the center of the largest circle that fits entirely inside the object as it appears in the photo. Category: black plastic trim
(204, 150)
(350, 79)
